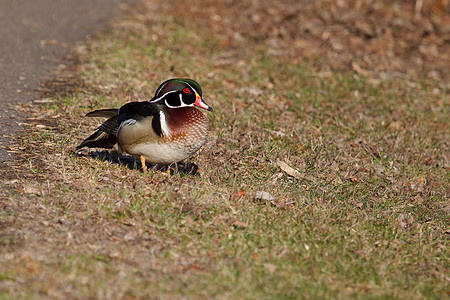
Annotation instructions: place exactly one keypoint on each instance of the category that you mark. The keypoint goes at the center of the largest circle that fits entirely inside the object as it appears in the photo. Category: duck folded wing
(138, 111)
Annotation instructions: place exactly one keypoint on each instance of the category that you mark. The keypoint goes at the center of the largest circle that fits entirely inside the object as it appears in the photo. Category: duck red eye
(186, 90)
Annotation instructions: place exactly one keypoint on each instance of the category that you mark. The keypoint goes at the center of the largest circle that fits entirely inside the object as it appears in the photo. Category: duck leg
(144, 166)
(168, 170)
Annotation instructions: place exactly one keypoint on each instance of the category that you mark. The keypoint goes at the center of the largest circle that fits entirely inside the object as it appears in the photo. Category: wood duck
(164, 130)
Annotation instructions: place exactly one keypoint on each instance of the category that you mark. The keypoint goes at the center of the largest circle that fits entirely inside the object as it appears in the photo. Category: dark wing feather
(107, 113)
(99, 139)
(110, 126)
(105, 135)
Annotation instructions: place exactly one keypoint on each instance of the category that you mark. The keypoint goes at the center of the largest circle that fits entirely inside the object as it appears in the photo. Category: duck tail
(105, 135)
(106, 113)
(99, 139)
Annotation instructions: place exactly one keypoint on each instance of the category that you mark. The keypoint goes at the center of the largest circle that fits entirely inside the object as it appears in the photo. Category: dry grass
(360, 211)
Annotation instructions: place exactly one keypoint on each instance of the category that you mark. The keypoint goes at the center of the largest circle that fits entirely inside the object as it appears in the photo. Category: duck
(163, 130)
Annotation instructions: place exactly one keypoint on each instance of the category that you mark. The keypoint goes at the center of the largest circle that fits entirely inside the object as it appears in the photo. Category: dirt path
(35, 38)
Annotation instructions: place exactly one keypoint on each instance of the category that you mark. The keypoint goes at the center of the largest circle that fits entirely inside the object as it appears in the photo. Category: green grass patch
(362, 214)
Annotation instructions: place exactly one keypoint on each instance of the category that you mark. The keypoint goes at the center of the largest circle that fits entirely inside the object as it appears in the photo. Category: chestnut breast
(186, 124)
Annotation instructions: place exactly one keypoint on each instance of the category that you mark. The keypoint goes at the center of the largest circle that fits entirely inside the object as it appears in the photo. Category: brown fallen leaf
(195, 267)
(239, 224)
(270, 268)
(48, 42)
(291, 171)
(360, 70)
(405, 221)
(31, 190)
(44, 100)
(11, 181)
(288, 169)
(239, 194)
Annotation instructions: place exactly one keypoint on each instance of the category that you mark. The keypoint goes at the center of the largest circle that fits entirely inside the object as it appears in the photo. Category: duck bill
(200, 103)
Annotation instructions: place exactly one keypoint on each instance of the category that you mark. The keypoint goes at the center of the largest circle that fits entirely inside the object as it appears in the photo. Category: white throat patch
(164, 126)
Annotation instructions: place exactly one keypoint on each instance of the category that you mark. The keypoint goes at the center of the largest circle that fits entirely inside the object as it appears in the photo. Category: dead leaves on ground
(371, 38)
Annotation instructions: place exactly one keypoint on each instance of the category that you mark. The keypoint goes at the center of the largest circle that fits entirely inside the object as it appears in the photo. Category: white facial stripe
(164, 127)
(182, 104)
(158, 99)
(181, 101)
(161, 88)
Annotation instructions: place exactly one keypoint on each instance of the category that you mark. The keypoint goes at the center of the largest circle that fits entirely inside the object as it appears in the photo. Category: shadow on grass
(134, 163)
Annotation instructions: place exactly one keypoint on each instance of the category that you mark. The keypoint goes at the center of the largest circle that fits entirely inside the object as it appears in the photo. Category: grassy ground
(356, 159)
